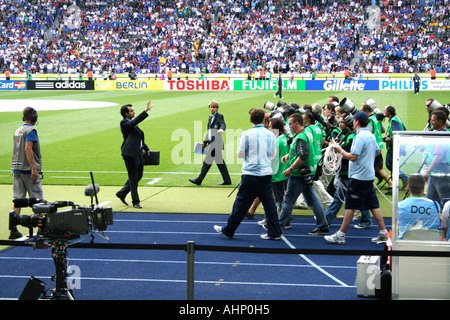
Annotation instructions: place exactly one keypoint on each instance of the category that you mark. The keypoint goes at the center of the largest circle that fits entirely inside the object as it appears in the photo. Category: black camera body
(61, 224)
(306, 175)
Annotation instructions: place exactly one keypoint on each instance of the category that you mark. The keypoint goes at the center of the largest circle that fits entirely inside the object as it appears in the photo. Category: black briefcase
(152, 159)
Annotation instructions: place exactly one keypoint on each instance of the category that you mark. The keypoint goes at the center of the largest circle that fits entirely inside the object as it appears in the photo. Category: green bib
(376, 130)
(310, 161)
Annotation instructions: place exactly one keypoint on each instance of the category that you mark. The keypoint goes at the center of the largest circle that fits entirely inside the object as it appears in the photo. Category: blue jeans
(278, 190)
(339, 197)
(250, 188)
(295, 187)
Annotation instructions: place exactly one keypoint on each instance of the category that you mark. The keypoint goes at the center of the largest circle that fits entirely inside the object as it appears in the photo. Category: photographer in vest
(26, 162)
(377, 130)
(395, 124)
(301, 162)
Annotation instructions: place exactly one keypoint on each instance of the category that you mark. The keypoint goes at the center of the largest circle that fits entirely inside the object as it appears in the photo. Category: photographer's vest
(277, 167)
(310, 161)
(19, 158)
(317, 138)
(376, 130)
(390, 130)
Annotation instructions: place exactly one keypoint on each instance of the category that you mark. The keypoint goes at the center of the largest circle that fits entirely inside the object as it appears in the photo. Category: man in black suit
(213, 143)
(132, 146)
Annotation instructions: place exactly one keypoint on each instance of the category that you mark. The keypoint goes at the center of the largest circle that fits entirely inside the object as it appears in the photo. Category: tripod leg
(59, 254)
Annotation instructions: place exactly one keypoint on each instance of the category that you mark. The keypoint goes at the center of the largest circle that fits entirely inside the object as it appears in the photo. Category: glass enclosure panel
(419, 222)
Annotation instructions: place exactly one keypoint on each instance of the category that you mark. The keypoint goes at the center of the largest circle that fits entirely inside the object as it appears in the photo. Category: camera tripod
(59, 255)
(35, 288)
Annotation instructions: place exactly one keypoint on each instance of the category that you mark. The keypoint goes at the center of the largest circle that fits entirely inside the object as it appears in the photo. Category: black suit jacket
(133, 136)
(217, 123)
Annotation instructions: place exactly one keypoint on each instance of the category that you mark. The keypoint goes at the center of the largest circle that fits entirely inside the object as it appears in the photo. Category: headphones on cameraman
(34, 115)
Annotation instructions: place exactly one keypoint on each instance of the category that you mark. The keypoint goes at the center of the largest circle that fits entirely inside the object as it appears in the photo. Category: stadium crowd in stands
(228, 36)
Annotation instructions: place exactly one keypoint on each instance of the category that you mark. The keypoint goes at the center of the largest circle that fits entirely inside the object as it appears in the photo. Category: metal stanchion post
(190, 269)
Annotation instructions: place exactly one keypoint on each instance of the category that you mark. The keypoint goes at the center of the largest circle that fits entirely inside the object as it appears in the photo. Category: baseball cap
(360, 116)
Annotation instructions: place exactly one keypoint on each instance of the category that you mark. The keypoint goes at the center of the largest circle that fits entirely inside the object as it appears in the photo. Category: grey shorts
(22, 185)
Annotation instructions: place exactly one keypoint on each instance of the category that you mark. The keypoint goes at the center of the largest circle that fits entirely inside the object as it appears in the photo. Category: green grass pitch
(75, 142)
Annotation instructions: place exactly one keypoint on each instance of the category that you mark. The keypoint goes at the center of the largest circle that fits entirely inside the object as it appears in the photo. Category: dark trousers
(207, 163)
(279, 92)
(250, 188)
(135, 168)
(278, 190)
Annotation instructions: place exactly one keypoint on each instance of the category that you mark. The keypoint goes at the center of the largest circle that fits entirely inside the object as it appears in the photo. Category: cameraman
(301, 170)
(376, 128)
(395, 124)
(279, 180)
(330, 114)
(331, 131)
(434, 105)
(26, 162)
(314, 129)
(429, 127)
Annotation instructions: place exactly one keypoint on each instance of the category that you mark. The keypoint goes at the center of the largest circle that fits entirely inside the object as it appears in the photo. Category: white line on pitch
(251, 264)
(313, 264)
(154, 181)
(196, 281)
(125, 172)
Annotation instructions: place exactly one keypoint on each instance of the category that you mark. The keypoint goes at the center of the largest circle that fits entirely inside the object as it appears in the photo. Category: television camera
(57, 224)
(55, 228)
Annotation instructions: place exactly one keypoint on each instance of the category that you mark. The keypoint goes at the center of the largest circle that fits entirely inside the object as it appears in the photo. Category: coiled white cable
(331, 161)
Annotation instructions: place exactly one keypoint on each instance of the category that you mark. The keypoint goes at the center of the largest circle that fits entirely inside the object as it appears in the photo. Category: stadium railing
(190, 247)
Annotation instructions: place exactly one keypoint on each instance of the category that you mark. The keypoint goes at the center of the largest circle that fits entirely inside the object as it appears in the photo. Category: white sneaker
(380, 238)
(265, 236)
(362, 226)
(335, 238)
(218, 229)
